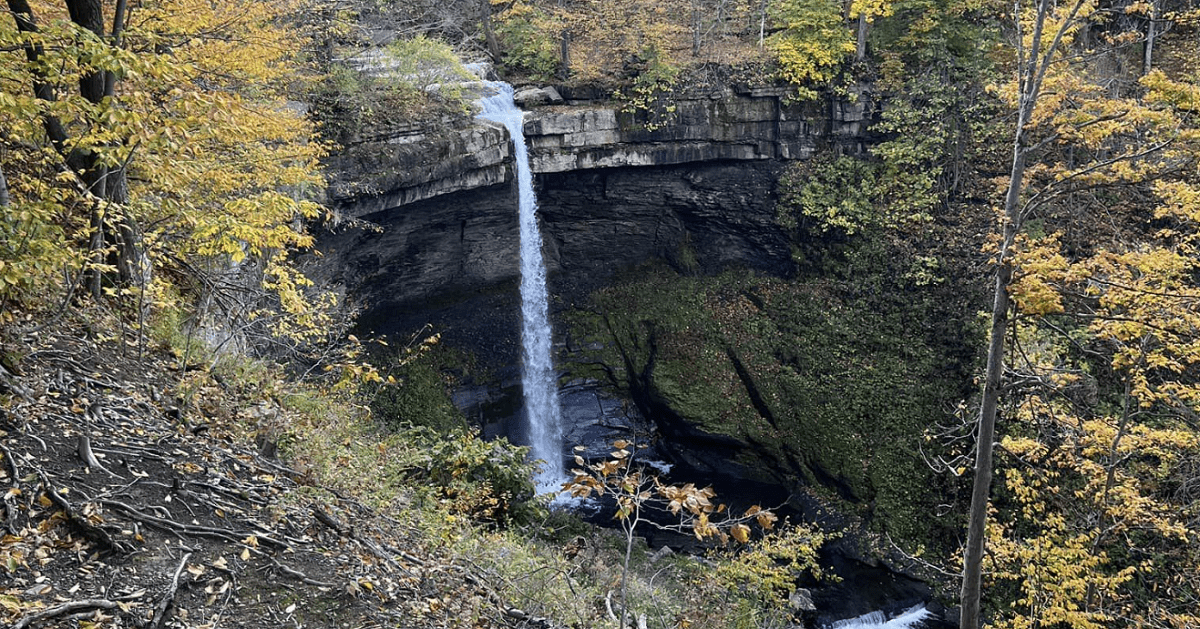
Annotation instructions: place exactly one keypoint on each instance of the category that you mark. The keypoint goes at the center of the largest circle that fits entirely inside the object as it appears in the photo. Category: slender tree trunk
(1151, 34)
(1032, 66)
(43, 90)
(118, 27)
(564, 51)
(489, 34)
(564, 56)
(988, 410)
(860, 51)
(3, 188)
(762, 23)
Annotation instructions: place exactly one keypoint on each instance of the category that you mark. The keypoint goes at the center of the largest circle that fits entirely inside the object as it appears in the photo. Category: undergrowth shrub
(529, 40)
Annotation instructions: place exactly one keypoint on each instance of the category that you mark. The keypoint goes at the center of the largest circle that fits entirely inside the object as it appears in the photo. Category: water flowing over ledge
(538, 378)
(908, 619)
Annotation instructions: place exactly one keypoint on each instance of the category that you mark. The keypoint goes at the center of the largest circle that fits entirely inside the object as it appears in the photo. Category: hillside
(132, 502)
(912, 283)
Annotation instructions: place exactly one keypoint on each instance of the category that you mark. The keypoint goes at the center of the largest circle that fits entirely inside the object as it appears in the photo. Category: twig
(190, 529)
(9, 501)
(333, 523)
(92, 532)
(608, 606)
(292, 572)
(85, 452)
(160, 610)
(65, 608)
(328, 520)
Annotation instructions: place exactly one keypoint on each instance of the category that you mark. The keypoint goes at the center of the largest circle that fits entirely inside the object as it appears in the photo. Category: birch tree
(1073, 135)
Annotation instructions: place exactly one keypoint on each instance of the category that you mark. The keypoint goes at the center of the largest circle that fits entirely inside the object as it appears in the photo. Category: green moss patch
(804, 370)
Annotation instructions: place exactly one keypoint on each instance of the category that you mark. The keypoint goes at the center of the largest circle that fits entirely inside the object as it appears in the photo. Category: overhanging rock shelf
(408, 164)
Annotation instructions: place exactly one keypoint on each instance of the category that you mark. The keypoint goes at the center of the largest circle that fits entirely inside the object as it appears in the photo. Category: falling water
(538, 377)
(912, 617)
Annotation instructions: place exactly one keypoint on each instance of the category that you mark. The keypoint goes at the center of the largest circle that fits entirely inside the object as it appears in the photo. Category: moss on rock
(810, 375)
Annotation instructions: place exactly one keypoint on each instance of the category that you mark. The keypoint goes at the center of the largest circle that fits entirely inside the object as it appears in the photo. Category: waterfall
(538, 378)
(912, 617)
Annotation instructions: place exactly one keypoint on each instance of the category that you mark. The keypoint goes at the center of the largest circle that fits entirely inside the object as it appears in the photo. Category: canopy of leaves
(220, 163)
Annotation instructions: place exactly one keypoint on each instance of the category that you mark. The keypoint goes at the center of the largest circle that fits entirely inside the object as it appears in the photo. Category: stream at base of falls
(911, 618)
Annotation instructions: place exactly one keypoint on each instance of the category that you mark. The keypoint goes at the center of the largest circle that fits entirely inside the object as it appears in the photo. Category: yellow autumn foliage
(812, 43)
(221, 165)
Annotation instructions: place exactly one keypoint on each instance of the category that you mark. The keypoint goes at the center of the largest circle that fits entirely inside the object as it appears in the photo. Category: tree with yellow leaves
(1076, 495)
(155, 136)
(1103, 399)
(812, 41)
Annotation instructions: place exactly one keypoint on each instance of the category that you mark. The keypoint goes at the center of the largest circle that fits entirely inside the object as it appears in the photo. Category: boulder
(537, 96)
(801, 601)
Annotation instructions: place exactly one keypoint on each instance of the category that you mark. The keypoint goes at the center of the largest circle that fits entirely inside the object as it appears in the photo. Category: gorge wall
(779, 382)
(434, 237)
(694, 186)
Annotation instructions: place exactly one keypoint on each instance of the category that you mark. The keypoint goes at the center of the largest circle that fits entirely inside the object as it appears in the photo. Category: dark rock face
(450, 261)
(700, 217)
(453, 260)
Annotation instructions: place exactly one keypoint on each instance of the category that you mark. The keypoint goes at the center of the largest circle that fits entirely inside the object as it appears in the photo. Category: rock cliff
(410, 164)
(437, 241)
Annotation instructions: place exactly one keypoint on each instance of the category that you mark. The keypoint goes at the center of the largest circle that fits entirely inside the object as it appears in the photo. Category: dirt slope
(121, 510)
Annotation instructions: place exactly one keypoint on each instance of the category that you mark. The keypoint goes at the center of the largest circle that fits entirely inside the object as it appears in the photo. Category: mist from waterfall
(538, 378)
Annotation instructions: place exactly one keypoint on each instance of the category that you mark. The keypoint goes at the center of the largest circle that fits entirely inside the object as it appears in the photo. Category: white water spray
(538, 378)
(877, 620)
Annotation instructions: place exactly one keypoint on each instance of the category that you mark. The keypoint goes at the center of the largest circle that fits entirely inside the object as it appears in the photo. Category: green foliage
(489, 481)
(530, 40)
(424, 63)
(768, 569)
(416, 392)
(648, 98)
(936, 34)
(836, 195)
(937, 118)
(812, 43)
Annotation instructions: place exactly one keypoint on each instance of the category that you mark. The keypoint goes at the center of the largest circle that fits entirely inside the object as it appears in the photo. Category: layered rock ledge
(412, 164)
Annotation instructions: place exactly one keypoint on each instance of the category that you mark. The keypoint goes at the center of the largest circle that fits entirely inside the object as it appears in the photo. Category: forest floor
(127, 505)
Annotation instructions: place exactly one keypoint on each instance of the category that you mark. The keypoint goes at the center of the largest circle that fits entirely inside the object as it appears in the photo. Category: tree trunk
(43, 90)
(564, 52)
(1031, 70)
(3, 188)
(115, 239)
(977, 519)
(89, 14)
(489, 34)
(107, 184)
(564, 57)
(1151, 34)
(762, 24)
(1032, 66)
(860, 51)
